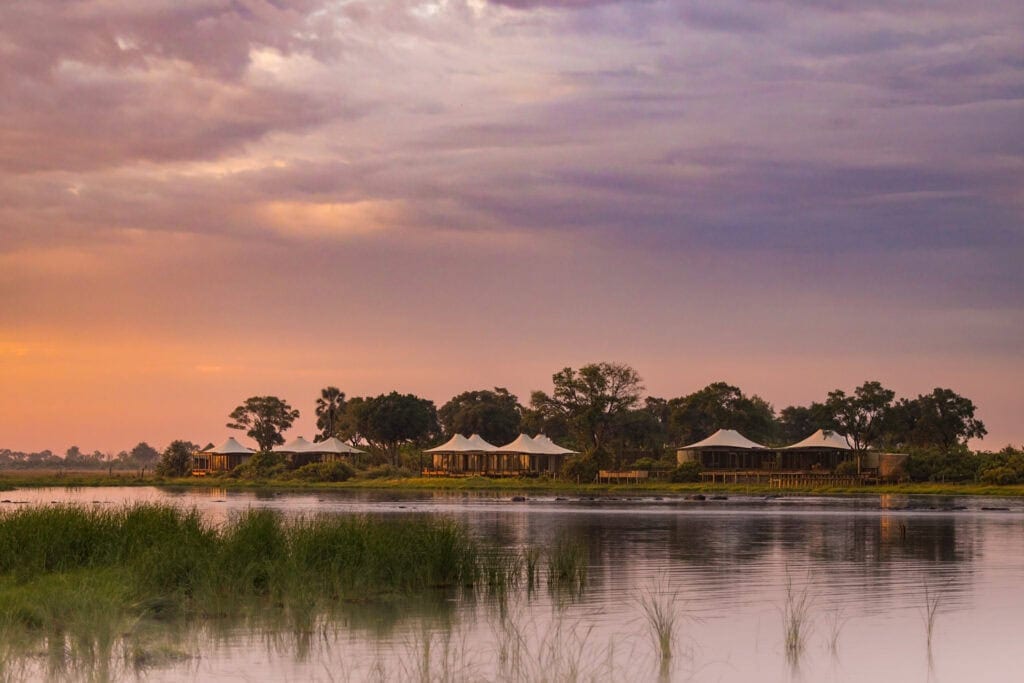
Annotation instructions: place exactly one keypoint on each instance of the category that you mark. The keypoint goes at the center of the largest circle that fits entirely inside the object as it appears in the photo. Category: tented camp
(474, 455)
(333, 448)
(725, 449)
(300, 452)
(460, 455)
(822, 450)
(228, 455)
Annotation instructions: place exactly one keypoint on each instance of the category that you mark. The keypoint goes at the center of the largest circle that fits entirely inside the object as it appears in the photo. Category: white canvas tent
(724, 438)
(296, 445)
(230, 447)
(456, 444)
(822, 439)
(550, 447)
(228, 455)
(521, 444)
(483, 445)
(332, 446)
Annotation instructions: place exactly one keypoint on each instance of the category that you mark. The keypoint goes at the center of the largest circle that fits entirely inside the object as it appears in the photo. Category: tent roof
(333, 445)
(456, 444)
(550, 447)
(522, 444)
(724, 438)
(296, 445)
(481, 444)
(230, 447)
(823, 439)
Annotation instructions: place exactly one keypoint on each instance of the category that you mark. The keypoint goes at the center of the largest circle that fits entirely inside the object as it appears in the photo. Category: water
(864, 563)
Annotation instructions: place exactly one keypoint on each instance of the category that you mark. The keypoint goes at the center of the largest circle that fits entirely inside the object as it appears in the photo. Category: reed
(660, 609)
(931, 611)
(567, 566)
(795, 621)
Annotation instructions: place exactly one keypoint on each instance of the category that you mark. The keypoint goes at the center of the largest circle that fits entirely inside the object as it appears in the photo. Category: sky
(205, 200)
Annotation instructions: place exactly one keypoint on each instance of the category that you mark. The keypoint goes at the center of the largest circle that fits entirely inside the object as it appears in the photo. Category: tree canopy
(329, 407)
(720, 406)
(176, 460)
(494, 415)
(591, 401)
(264, 418)
(387, 421)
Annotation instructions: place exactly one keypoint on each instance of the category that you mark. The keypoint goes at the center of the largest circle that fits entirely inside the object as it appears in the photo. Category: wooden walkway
(775, 479)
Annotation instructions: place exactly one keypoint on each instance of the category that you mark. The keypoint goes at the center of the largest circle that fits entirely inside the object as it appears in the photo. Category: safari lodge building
(729, 451)
(525, 455)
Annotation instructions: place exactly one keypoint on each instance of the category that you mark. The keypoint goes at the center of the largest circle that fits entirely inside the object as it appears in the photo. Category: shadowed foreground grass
(83, 583)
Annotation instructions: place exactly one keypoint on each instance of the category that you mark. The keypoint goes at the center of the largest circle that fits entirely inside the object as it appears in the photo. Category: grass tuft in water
(795, 621)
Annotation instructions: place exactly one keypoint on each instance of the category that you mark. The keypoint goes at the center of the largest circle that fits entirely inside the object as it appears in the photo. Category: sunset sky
(203, 200)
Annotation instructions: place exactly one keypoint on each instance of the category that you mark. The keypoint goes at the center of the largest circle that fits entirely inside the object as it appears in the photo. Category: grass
(795, 622)
(567, 564)
(659, 607)
(41, 478)
(931, 611)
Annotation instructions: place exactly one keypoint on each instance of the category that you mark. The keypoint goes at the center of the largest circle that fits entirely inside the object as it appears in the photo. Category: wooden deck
(776, 479)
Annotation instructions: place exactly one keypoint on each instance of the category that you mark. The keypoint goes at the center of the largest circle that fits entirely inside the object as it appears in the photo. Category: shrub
(1001, 475)
(176, 460)
(934, 465)
(686, 472)
(263, 465)
(582, 468)
(846, 468)
(644, 464)
(386, 472)
(323, 471)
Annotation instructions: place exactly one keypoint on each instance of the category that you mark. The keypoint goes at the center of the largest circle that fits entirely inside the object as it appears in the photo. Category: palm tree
(328, 407)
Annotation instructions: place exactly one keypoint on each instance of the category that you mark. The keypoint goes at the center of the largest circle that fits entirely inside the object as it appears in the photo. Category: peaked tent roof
(523, 444)
(230, 447)
(332, 446)
(296, 445)
(456, 444)
(822, 439)
(550, 447)
(724, 438)
(481, 444)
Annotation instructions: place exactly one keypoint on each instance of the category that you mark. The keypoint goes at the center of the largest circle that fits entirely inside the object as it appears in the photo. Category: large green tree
(176, 460)
(942, 419)
(720, 406)
(264, 418)
(494, 415)
(388, 421)
(796, 423)
(861, 416)
(591, 401)
(329, 408)
(144, 454)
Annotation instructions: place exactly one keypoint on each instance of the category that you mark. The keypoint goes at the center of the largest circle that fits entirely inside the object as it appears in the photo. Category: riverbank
(13, 479)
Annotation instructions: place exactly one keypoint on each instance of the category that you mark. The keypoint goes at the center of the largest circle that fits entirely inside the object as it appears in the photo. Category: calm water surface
(865, 565)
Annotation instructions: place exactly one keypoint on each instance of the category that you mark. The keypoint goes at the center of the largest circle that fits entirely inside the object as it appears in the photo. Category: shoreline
(10, 480)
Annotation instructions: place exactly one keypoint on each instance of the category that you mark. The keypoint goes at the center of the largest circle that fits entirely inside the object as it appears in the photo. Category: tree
(329, 407)
(265, 417)
(861, 416)
(720, 406)
(176, 460)
(494, 415)
(796, 423)
(942, 419)
(144, 454)
(591, 401)
(390, 420)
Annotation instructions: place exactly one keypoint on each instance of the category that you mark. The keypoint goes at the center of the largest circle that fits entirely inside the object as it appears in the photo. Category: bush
(387, 472)
(644, 464)
(261, 466)
(1001, 475)
(176, 460)
(323, 471)
(934, 465)
(686, 472)
(582, 468)
(847, 468)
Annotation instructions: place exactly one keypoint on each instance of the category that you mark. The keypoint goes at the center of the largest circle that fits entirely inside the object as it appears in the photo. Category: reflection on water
(868, 566)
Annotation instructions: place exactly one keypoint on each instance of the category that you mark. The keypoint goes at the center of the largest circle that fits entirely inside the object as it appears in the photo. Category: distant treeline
(600, 410)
